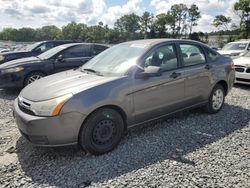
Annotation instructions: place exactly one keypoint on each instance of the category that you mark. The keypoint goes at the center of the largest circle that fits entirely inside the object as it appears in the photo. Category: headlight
(50, 107)
(16, 69)
(2, 57)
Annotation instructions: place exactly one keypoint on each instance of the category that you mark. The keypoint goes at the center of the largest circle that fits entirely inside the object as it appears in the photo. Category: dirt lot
(191, 149)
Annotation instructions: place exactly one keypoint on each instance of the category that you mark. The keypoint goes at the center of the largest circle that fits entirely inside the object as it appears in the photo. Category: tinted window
(98, 49)
(212, 56)
(44, 47)
(192, 54)
(164, 57)
(77, 51)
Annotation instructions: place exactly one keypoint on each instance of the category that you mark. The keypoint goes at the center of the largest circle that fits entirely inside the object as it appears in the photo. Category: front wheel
(102, 131)
(33, 77)
(216, 99)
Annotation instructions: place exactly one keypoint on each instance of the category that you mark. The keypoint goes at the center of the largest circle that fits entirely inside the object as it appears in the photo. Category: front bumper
(11, 80)
(49, 131)
(242, 78)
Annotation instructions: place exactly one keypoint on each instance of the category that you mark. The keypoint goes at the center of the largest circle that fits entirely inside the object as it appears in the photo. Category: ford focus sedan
(126, 85)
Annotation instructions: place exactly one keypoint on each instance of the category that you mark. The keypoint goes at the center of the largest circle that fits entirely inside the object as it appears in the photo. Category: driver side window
(164, 57)
(45, 47)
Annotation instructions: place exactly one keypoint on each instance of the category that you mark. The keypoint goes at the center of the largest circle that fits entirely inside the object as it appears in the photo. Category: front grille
(243, 80)
(25, 105)
(248, 70)
(237, 69)
(25, 110)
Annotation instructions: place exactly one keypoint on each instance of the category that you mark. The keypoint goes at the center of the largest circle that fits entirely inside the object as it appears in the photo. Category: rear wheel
(33, 77)
(216, 99)
(102, 131)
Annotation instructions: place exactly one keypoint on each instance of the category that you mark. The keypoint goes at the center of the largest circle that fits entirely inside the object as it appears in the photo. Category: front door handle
(208, 67)
(175, 75)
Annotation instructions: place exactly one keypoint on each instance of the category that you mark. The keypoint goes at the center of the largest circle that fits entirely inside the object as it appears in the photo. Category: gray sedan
(127, 85)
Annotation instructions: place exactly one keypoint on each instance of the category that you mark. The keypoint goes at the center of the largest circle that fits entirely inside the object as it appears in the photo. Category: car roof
(85, 43)
(158, 41)
(241, 41)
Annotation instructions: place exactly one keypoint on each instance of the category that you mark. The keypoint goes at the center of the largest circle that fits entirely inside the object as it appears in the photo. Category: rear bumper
(49, 131)
(11, 80)
(242, 78)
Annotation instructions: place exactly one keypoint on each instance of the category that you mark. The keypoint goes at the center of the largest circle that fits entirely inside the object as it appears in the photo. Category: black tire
(211, 105)
(28, 78)
(102, 131)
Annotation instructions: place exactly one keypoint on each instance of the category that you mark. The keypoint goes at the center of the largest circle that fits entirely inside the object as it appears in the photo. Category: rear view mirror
(150, 71)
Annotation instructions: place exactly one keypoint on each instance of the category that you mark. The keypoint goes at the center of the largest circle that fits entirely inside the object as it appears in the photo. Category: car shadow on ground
(9, 94)
(242, 86)
(172, 139)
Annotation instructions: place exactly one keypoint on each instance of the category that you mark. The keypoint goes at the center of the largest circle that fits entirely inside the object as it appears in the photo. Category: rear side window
(98, 49)
(77, 51)
(212, 56)
(45, 47)
(192, 54)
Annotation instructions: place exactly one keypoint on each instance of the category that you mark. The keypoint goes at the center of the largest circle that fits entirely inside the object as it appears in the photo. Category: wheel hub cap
(103, 132)
(217, 99)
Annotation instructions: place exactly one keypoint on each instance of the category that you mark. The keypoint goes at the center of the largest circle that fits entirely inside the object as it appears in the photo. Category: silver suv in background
(126, 85)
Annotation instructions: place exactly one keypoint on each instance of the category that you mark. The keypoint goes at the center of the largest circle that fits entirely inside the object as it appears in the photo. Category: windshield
(117, 60)
(32, 46)
(50, 53)
(235, 46)
(247, 54)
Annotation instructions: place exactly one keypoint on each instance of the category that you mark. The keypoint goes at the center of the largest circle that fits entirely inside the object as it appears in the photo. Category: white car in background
(2, 49)
(234, 49)
(242, 69)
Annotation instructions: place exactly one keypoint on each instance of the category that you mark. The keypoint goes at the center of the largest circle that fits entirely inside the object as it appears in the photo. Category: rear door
(197, 72)
(73, 57)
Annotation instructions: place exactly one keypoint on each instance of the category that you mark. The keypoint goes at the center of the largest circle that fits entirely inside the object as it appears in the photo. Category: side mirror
(150, 71)
(60, 58)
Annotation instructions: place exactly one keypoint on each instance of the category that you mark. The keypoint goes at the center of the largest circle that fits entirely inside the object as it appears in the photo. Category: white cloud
(115, 12)
(205, 6)
(208, 9)
(53, 11)
(37, 13)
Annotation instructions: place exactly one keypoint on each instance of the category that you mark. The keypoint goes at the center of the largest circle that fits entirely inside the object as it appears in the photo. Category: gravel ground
(191, 149)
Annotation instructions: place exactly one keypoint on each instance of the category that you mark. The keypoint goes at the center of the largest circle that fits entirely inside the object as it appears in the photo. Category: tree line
(178, 22)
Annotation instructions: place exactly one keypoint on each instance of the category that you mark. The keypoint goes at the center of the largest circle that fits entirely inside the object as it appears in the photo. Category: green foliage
(242, 9)
(128, 26)
(222, 22)
(193, 17)
(176, 23)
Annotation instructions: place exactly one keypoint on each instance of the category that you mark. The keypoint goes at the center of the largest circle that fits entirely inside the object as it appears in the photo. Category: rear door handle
(175, 75)
(208, 67)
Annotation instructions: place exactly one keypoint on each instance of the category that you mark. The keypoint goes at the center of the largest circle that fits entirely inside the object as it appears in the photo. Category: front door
(73, 57)
(159, 95)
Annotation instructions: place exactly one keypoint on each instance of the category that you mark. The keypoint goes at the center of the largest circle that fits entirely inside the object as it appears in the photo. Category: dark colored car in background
(21, 72)
(32, 50)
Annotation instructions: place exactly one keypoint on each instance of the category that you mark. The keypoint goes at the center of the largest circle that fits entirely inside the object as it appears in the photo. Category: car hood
(15, 52)
(19, 62)
(63, 83)
(243, 61)
(230, 52)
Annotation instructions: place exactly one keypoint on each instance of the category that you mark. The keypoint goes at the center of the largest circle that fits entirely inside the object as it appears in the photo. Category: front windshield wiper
(93, 71)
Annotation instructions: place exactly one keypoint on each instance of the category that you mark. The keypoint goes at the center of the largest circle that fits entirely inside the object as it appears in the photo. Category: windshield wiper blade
(93, 71)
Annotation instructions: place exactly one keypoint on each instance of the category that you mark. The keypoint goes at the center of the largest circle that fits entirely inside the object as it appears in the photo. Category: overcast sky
(37, 13)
